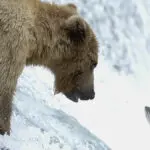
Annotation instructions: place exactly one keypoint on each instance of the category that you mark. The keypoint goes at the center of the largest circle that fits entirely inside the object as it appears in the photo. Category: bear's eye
(94, 64)
(79, 72)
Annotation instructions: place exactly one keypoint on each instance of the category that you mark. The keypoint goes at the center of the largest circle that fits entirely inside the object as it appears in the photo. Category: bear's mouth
(72, 96)
(76, 95)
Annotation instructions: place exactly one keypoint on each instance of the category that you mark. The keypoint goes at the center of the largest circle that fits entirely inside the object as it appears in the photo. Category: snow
(43, 121)
(36, 124)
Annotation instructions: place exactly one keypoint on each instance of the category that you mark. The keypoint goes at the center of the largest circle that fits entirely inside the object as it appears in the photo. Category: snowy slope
(122, 86)
(36, 125)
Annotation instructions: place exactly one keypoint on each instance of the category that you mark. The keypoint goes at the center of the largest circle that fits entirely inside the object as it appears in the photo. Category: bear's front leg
(5, 113)
(9, 75)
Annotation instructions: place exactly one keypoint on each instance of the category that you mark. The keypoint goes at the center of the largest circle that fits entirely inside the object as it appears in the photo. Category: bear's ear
(76, 28)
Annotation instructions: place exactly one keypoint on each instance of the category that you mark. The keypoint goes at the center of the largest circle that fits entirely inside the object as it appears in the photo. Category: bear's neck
(39, 45)
(44, 33)
(41, 40)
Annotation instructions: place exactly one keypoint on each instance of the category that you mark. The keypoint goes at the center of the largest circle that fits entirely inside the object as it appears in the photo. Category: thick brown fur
(39, 33)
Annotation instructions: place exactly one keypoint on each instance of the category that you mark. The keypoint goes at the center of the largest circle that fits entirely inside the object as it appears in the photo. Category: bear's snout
(86, 95)
(76, 94)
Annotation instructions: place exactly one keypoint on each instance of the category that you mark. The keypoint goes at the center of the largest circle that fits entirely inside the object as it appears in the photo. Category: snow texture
(43, 121)
(35, 124)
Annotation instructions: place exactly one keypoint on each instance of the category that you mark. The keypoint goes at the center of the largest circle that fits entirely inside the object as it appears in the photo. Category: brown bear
(51, 35)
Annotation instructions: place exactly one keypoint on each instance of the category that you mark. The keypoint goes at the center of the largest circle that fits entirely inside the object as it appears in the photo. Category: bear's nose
(87, 95)
(92, 94)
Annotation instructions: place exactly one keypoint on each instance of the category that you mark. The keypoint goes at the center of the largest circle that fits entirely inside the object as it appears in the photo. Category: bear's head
(72, 51)
(76, 57)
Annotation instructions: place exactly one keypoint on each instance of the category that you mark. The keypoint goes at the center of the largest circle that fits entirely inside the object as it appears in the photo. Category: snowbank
(35, 125)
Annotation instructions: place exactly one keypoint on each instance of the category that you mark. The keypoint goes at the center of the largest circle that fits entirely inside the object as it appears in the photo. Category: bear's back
(16, 17)
(16, 14)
